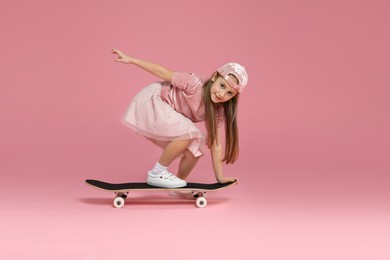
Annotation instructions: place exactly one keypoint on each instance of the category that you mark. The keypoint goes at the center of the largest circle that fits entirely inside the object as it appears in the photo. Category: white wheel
(119, 202)
(201, 202)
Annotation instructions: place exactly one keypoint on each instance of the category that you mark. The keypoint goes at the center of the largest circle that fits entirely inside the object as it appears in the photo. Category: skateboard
(122, 190)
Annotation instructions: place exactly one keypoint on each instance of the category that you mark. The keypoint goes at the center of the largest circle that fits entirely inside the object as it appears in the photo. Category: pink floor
(62, 218)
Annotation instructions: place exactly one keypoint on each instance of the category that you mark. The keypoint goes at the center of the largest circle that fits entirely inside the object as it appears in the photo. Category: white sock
(158, 168)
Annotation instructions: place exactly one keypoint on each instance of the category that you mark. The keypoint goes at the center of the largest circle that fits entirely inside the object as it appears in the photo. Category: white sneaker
(165, 180)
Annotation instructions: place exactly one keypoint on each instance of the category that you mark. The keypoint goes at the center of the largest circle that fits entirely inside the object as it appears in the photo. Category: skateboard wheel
(201, 202)
(119, 202)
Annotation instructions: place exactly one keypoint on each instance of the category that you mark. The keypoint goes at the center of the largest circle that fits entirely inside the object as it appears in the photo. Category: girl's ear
(214, 77)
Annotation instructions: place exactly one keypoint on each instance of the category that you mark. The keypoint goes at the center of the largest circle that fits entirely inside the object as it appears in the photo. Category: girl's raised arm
(156, 69)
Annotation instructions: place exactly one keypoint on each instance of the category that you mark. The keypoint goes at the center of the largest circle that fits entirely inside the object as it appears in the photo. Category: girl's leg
(186, 165)
(159, 176)
(172, 151)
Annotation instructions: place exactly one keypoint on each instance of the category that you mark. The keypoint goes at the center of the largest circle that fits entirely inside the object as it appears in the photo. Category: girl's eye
(222, 86)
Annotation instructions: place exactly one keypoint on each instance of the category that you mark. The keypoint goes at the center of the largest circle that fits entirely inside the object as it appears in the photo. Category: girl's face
(220, 90)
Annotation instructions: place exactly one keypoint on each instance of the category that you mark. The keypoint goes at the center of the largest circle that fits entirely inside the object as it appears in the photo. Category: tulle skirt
(150, 116)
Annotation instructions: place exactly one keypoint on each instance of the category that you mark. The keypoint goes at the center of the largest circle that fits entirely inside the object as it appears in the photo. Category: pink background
(314, 123)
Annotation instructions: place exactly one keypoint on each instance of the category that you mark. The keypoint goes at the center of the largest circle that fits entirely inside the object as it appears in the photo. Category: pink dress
(166, 111)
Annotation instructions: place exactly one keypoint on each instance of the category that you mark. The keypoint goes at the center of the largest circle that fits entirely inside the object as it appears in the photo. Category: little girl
(165, 113)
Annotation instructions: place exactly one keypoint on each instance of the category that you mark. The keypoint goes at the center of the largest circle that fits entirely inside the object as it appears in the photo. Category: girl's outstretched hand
(228, 179)
(121, 56)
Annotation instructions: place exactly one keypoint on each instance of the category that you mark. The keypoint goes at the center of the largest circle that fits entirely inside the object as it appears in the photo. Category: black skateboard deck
(122, 190)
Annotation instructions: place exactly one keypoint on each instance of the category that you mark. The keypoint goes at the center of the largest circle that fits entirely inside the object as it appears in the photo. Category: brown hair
(229, 110)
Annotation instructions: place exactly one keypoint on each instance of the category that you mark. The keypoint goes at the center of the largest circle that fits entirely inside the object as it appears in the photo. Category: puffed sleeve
(188, 82)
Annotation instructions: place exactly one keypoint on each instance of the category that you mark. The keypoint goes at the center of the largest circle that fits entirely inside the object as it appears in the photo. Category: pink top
(184, 94)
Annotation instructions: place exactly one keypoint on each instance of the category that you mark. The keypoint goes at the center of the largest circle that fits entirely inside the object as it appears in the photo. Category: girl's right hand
(121, 57)
(228, 179)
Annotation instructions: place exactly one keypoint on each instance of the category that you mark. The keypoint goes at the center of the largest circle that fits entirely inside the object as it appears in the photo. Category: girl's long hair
(212, 111)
